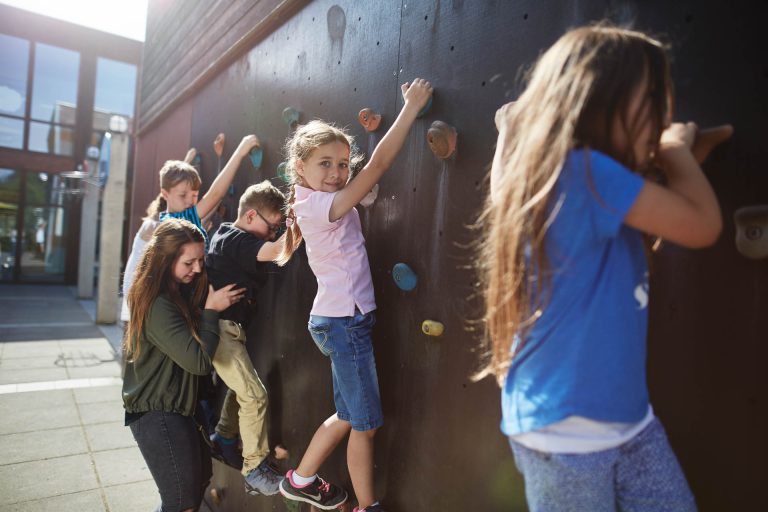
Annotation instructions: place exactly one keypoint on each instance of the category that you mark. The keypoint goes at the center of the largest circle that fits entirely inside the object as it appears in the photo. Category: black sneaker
(321, 494)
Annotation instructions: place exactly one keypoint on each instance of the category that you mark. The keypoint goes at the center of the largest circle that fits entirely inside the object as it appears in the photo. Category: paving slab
(121, 466)
(88, 501)
(109, 436)
(29, 412)
(98, 394)
(25, 349)
(35, 480)
(133, 497)
(32, 375)
(102, 412)
(31, 446)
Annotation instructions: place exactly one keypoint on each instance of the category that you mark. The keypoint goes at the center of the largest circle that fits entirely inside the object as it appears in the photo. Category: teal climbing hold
(405, 278)
(426, 108)
(257, 155)
(291, 116)
(282, 172)
(197, 161)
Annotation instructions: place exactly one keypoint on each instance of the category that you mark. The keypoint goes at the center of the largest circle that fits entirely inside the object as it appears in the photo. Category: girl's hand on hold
(678, 135)
(248, 143)
(416, 93)
(221, 299)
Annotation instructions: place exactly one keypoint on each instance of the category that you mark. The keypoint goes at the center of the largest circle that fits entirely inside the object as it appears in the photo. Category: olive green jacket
(164, 376)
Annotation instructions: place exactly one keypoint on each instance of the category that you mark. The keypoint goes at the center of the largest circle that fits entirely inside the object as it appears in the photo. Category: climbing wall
(440, 448)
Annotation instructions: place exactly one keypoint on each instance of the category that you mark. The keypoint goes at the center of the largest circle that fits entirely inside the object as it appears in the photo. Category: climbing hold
(752, 231)
(404, 277)
(197, 160)
(216, 496)
(369, 119)
(707, 139)
(426, 108)
(282, 172)
(370, 197)
(291, 116)
(218, 144)
(256, 154)
(442, 139)
(281, 453)
(432, 328)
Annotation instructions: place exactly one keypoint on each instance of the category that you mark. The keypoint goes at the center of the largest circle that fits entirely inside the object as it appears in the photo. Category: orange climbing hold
(441, 138)
(369, 119)
(218, 144)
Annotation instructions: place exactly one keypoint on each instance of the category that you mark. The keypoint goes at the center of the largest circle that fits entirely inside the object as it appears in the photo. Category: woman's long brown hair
(154, 276)
(576, 93)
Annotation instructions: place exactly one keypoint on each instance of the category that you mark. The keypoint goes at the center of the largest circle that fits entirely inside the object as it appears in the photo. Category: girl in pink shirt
(322, 212)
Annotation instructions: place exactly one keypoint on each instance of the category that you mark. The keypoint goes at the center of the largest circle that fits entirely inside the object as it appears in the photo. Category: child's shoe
(263, 480)
(321, 494)
(225, 449)
(373, 508)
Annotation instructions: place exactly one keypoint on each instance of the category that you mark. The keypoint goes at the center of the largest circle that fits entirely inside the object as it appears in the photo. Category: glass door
(45, 229)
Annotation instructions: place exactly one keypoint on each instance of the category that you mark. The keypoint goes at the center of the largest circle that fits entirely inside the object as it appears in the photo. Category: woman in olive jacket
(170, 341)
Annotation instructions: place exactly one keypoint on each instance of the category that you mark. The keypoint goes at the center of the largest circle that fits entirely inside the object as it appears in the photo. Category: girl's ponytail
(293, 235)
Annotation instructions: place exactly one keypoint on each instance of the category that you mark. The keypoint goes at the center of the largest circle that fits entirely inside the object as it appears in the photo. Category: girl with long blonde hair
(171, 339)
(321, 209)
(562, 258)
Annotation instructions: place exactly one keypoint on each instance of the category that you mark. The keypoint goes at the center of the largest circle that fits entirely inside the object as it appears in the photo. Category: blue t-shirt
(191, 215)
(585, 355)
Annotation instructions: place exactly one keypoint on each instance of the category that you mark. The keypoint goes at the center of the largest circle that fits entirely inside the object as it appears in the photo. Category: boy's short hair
(174, 172)
(263, 196)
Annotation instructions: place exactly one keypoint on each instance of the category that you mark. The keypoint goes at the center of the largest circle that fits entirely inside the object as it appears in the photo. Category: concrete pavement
(63, 445)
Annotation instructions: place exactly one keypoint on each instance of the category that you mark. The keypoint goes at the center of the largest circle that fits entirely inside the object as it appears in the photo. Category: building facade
(59, 85)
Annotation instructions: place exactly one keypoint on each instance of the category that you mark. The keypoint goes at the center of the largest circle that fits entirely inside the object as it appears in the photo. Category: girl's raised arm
(686, 211)
(416, 95)
(220, 185)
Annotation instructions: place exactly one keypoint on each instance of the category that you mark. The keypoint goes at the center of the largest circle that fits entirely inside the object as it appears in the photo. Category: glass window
(50, 138)
(11, 133)
(54, 94)
(9, 186)
(14, 59)
(115, 87)
(39, 188)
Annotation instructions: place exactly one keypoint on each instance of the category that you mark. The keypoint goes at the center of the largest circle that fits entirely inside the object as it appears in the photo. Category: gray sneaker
(263, 480)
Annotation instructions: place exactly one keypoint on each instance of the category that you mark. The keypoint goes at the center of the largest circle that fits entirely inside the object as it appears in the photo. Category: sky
(127, 18)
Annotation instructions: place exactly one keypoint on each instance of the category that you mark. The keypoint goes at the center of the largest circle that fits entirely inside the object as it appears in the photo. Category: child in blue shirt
(565, 273)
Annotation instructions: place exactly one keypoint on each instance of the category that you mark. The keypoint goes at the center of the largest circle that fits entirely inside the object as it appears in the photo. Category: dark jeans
(176, 455)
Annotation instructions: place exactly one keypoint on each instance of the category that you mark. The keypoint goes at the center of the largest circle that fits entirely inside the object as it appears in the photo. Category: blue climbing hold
(197, 160)
(426, 108)
(257, 155)
(405, 278)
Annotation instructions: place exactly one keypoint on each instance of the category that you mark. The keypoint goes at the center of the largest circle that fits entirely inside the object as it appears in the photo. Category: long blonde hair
(154, 276)
(300, 146)
(576, 92)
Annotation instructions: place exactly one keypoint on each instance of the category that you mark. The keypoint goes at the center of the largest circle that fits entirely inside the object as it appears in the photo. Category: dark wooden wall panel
(440, 448)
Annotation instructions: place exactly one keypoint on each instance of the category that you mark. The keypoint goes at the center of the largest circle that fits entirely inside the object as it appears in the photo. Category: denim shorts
(642, 475)
(347, 341)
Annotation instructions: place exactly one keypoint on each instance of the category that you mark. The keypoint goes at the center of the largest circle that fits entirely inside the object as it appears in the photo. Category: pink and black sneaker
(321, 494)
